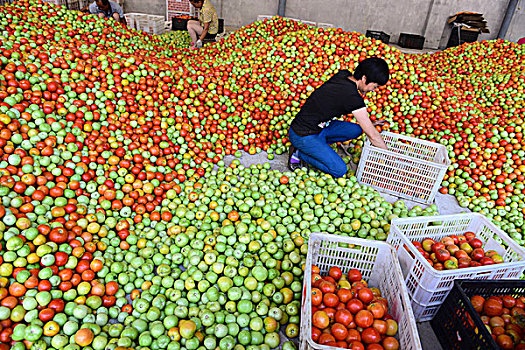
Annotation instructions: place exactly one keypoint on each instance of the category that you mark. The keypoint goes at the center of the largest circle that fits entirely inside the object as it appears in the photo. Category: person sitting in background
(107, 9)
(207, 26)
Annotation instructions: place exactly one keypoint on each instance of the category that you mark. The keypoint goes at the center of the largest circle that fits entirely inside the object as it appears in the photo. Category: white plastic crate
(429, 287)
(309, 23)
(411, 168)
(56, 2)
(325, 25)
(75, 5)
(147, 23)
(378, 265)
(263, 17)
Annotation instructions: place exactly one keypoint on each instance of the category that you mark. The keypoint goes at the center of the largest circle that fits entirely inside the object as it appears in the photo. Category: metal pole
(282, 8)
(511, 8)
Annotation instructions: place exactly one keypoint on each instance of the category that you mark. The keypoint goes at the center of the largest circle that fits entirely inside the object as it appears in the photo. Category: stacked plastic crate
(178, 7)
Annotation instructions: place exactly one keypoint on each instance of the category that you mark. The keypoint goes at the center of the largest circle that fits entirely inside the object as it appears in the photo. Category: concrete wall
(517, 25)
(151, 7)
(383, 15)
(438, 31)
(423, 17)
(242, 12)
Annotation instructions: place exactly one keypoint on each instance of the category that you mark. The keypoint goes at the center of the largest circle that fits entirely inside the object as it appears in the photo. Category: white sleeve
(93, 8)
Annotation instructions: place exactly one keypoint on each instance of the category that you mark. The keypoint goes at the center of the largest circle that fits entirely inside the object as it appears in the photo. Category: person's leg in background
(195, 30)
(316, 151)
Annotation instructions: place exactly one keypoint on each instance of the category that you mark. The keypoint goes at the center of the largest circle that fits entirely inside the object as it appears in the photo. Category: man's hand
(379, 143)
(379, 122)
(198, 44)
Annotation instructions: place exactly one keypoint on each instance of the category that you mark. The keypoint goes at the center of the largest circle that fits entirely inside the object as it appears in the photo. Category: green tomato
(33, 332)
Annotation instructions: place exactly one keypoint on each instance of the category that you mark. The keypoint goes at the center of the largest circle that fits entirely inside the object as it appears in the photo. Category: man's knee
(191, 24)
(116, 17)
(338, 170)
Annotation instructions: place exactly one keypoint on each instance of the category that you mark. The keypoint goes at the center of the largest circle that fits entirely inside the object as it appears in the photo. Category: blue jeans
(316, 151)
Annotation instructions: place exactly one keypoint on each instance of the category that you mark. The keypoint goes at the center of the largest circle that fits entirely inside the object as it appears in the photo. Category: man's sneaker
(293, 158)
(305, 165)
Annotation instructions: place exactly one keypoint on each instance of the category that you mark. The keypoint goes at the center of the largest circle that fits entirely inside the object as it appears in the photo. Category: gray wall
(424, 17)
(151, 7)
(517, 25)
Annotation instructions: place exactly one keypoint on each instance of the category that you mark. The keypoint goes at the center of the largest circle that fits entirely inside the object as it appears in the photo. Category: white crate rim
(396, 270)
(410, 138)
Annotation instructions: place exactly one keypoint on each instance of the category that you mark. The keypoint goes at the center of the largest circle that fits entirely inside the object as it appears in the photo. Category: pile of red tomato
(102, 127)
(504, 316)
(346, 313)
(457, 251)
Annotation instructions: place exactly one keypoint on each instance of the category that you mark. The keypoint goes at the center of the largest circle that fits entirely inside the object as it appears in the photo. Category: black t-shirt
(336, 97)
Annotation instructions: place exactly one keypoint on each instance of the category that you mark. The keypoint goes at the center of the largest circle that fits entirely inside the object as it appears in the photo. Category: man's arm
(361, 115)
(204, 31)
(118, 9)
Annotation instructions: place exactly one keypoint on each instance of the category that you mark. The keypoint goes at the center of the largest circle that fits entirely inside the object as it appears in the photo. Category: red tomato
(354, 275)
(330, 300)
(353, 335)
(339, 331)
(509, 301)
(316, 333)
(326, 338)
(46, 314)
(331, 313)
(477, 302)
(365, 295)
(344, 317)
(335, 272)
(370, 336)
(364, 319)
(505, 342)
(320, 320)
(327, 287)
(344, 295)
(317, 297)
(377, 309)
(493, 307)
(354, 306)
(390, 343)
(356, 345)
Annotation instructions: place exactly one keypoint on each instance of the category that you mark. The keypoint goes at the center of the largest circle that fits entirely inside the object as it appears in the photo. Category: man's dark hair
(104, 2)
(375, 69)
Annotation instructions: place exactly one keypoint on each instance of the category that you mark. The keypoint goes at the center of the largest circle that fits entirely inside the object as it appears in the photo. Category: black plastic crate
(458, 326)
(182, 24)
(411, 41)
(465, 36)
(178, 23)
(221, 26)
(375, 34)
